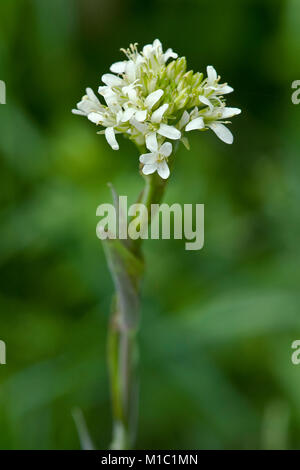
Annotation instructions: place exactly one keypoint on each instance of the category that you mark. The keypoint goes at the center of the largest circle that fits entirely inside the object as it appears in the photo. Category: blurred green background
(217, 324)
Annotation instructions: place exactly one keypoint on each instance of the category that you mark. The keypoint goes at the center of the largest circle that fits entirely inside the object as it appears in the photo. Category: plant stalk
(126, 264)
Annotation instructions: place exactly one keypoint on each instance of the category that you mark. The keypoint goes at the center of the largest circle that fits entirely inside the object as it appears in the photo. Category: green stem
(122, 367)
(126, 265)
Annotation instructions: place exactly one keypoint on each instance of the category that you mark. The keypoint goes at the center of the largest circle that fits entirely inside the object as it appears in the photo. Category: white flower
(111, 97)
(88, 104)
(216, 122)
(110, 121)
(212, 90)
(154, 54)
(156, 160)
(155, 126)
(213, 82)
(140, 112)
(151, 97)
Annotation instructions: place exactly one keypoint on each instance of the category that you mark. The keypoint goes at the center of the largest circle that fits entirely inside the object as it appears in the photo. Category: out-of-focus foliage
(218, 324)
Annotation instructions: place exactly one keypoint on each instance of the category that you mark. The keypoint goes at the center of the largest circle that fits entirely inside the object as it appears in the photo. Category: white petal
(139, 59)
(197, 123)
(105, 90)
(157, 44)
(130, 92)
(222, 132)
(205, 101)
(108, 94)
(141, 115)
(111, 101)
(118, 67)
(166, 149)
(148, 158)
(158, 114)
(128, 113)
(111, 80)
(170, 54)
(77, 111)
(87, 105)
(149, 169)
(151, 142)
(226, 89)
(211, 74)
(147, 50)
(229, 112)
(169, 131)
(90, 93)
(131, 70)
(119, 116)
(153, 98)
(111, 139)
(163, 169)
(95, 117)
(184, 119)
(138, 125)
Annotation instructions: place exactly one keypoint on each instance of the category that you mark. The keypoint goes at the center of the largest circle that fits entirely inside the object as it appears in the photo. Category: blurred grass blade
(83, 433)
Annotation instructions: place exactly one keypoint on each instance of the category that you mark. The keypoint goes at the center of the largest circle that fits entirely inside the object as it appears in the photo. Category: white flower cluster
(152, 102)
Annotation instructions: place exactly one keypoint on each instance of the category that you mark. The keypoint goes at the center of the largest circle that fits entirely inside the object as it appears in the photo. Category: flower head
(151, 99)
